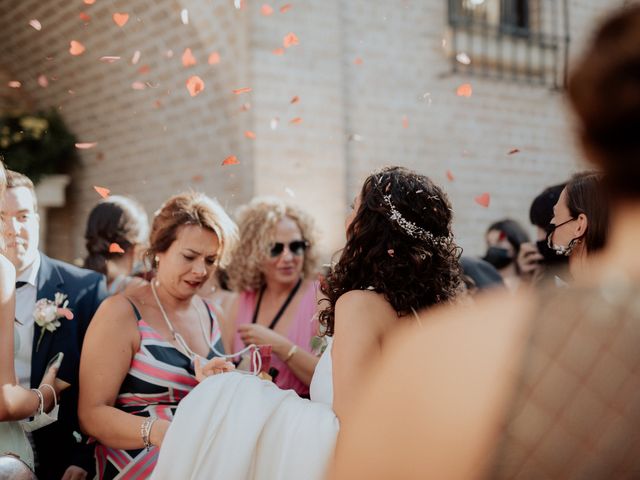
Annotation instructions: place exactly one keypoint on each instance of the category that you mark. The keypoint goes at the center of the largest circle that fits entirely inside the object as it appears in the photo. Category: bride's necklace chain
(180, 342)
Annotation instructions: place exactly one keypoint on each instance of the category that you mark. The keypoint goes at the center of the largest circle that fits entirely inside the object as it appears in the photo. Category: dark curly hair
(411, 272)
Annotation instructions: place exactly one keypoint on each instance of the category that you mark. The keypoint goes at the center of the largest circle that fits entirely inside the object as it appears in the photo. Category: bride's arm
(361, 318)
(109, 347)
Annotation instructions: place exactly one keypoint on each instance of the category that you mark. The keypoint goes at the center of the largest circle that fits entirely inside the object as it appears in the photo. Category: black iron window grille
(524, 41)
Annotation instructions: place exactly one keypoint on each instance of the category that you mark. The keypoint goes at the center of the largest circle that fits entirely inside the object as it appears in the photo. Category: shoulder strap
(136, 312)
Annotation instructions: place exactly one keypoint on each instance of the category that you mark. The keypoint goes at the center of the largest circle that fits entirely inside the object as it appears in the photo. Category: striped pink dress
(160, 376)
(301, 330)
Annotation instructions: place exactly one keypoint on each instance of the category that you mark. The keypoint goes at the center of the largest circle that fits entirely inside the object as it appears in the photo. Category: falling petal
(197, 178)
(391, 252)
(513, 150)
(120, 18)
(464, 90)
(188, 59)
(195, 85)
(184, 16)
(65, 312)
(278, 51)
(285, 8)
(483, 200)
(144, 69)
(136, 57)
(102, 191)
(86, 145)
(405, 122)
(43, 81)
(358, 61)
(214, 58)
(109, 59)
(274, 123)
(115, 248)
(230, 160)
(450, 176)
(89, 2)
(168, 54)
(76, 48)
(463, 58)
(14, 84)
(290, 39)
(250, 134)
(35, 24)
(296, 121)
(295, 99)
(239, 91)
(138, 85)
(266, 10)
(85, 17)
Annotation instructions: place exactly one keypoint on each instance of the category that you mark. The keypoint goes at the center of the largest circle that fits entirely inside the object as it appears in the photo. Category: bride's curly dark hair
(412, 271)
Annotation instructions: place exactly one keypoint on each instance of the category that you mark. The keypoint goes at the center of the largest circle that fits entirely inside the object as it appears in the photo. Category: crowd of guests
(428, 378)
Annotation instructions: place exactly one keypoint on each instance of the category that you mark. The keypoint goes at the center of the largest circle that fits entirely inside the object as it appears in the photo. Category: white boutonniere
(47, 314)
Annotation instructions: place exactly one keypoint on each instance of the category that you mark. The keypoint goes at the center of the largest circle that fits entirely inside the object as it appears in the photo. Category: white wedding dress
(235, 426)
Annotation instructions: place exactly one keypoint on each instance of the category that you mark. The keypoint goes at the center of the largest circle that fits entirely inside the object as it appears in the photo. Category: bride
(400, 257)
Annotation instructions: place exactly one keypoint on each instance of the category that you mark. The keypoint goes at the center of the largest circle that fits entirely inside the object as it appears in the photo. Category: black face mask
(551, 258)
(498, 257)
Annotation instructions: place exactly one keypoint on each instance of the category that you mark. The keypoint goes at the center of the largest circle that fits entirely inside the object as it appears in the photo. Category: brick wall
(360, 67)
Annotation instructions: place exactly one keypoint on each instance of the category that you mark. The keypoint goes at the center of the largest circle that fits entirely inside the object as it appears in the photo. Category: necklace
(282, 308)
(180, 342)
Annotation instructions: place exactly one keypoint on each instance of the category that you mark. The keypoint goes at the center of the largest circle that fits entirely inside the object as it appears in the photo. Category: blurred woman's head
(277, 245)
(399, 243)
(503, 243)
(117, 229)
(190, 236)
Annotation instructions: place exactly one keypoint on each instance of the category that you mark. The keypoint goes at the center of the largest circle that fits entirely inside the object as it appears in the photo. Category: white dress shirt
(25, 303)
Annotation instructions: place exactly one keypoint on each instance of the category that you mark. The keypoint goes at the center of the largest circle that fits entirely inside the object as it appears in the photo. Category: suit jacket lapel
(49, 282)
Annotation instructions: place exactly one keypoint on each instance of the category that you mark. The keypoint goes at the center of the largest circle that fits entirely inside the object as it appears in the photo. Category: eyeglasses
(297, 248)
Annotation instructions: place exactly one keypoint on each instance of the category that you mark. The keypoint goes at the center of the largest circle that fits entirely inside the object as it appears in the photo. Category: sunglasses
(297, 248)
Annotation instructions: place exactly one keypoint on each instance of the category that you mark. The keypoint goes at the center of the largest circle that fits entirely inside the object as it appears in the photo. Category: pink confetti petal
(120, 19)
(115, 248)
(195, 85)
(464, 90)
(86, 145)
(230, 160)
(214, 58)
(483, 200)
(76, 48)
(188, 59)
(102, 191)
(35, 24)
(138, 85)
(109, 59)
(239, 91)
(43, 81)
(14, 84)
(290, 39)
(266, 10)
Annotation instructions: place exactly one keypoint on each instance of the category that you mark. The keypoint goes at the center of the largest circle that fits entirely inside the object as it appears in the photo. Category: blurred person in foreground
(529, 386)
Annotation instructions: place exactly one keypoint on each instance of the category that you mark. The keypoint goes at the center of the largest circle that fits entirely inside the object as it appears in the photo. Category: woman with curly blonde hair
(273, 272)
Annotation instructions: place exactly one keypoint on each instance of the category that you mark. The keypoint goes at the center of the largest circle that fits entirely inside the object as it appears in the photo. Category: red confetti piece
(195, 85)
(86, 145)
(450, 176)
(115, 248)
(464, 90)
(214, 58)
(157, 104)
(285, 8)
(295, 99)
(43, 81)
(358, 61)
(138, 85)
(144, 69)
(239, 91)
(230, 160)
(278, 51)
(76, 48)
(483, 200)
(109, 59)
(120, 19)
(102, 191)
(266, 10)
(513, 150)
(188, 59)
(89, 2)
(197, 178)
(84, 17)
(250, 134)
(296, 121)
(405, 122)
(290, 39)
(35, 24)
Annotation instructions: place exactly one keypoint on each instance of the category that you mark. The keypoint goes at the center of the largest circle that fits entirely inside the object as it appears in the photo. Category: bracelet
(291, 353)
(55, 398)
(40, 408)
(145, 431)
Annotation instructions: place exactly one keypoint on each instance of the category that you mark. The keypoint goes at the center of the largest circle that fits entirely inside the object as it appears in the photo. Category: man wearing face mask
(504, 239)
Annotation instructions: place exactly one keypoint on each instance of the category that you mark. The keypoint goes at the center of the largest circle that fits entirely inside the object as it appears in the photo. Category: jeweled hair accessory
(412, 229)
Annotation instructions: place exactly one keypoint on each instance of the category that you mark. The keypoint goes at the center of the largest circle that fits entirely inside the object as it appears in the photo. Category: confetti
(184, 16)
(295, 99)
(109, 59)
(285, 8)
(230, 160)
(168, 54)
(405, 122)
(250, 134)
(188, 59)
(483, 200)
(102, 191)
(144, 69)
(195, 85)
(391, 252)
(85, 17)
(138, 85)
(290, 39)
(450, 176)
(358, 61)
(14, 84)
(76, 48)
(89, 2)
(86, 145)
(239, 91)
(115, 248)
(136, 57)
(464, 90)
(513, 150)
(35, 24)
(296, 121)
(197, 178)
(120, 18)
(43, 81)
(278, 51)
(274, 123)
(214, 58)
(266, 10)
(463, 58)
(237, 4)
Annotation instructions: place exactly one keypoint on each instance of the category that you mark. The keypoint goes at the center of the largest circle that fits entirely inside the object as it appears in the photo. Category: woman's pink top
(302, 329)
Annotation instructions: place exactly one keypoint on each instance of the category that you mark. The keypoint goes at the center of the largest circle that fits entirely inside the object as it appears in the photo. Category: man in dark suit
(60, 451)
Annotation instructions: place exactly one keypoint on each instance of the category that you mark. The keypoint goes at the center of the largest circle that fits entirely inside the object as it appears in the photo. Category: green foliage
(37, 144)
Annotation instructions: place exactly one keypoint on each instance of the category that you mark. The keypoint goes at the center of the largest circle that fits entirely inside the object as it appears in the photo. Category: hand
(529, 259)
(74, 473)
(260, 335)
(212, 367)
(158, 431)
(57, 384)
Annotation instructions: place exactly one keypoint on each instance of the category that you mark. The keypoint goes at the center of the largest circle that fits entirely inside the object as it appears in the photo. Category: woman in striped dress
(146, 351)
